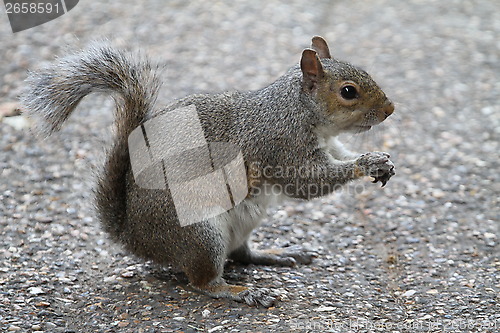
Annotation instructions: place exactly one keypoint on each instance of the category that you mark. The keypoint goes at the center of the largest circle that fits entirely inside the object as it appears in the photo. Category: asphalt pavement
(419, 255)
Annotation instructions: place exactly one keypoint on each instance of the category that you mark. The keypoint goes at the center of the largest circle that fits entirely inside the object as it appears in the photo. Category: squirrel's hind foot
(292, 253)
(287, 257)
(251, 296)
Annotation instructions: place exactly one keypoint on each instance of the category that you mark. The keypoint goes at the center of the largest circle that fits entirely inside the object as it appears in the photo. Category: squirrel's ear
(312, 70)
(319, 45)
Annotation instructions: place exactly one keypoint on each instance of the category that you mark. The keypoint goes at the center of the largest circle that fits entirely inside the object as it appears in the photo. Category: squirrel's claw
(384, 178)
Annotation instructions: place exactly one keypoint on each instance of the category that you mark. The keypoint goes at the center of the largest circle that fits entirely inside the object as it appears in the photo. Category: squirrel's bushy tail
(53, 93)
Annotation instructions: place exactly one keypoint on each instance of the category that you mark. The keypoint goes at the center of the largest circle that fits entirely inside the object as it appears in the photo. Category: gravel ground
(420, 255)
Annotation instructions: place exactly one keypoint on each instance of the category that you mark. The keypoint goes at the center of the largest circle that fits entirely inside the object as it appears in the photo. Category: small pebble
(127, 274)
(325, 309)
(215, 329)
(36, 291)
(409, 293)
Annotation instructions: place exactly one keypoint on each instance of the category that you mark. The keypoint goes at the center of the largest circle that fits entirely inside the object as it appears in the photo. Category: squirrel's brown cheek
(352, 118)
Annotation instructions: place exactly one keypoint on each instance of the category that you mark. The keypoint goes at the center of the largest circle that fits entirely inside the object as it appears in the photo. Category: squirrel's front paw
(376, 165)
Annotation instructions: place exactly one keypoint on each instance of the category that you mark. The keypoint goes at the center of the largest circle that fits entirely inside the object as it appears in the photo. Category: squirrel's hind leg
(218, 288)
(205, 275)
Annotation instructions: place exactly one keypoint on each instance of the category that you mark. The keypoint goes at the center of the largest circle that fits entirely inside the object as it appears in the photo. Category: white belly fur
(238, 223)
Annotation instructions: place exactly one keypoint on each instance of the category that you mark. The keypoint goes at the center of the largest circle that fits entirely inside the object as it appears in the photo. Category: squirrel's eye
(348, 92)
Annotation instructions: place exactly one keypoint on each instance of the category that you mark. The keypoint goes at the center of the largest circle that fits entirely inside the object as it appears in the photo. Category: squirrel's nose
(388, 108)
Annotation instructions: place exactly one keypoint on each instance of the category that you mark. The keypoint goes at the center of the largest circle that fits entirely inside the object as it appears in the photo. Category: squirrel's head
(352, 101)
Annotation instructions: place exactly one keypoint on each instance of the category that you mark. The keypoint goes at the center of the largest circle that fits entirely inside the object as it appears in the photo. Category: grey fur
(280, 126)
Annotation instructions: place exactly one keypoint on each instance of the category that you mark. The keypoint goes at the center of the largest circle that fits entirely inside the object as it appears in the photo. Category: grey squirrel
(294, 123)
